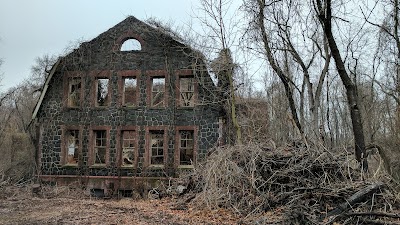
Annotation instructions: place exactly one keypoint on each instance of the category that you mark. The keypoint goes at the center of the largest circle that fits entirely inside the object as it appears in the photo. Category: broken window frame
(98, 96)
(178, 147)
(186, 94)
(186, 143)
(132, 102)
(132, 142)
(74, 95)
(155, 94)
(103, 145)
(66, 146)
(151, 132)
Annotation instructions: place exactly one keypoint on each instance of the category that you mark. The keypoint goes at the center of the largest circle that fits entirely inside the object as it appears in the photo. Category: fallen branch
(377, 214)
(380, 222)
(356, 198)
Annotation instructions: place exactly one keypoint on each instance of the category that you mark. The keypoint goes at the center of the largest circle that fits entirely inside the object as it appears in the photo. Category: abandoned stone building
(132, 105)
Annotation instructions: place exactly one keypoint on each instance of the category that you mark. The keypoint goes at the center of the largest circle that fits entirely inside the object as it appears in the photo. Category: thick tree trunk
(351, 92)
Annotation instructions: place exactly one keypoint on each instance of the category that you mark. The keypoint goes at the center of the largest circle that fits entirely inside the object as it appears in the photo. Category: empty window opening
(157, 147)
(186, 88)
(72, 147)
(100, 146)
(74, 92)
(129, 97)
(128, 148)
(102, 87)
(157, 91)
(125, 193)
(186, 147)
(131, 45)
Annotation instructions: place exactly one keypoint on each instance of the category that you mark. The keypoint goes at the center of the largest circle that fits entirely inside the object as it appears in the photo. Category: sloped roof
(44, 89)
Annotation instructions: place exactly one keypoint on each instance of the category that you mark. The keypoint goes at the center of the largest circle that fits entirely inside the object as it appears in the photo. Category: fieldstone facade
(83, 111)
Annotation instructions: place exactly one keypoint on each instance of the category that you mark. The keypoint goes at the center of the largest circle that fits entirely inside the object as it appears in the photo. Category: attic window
(131, 45)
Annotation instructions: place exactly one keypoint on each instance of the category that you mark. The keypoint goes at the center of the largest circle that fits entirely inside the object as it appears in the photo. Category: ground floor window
(186, 147)
(128, 148)
(156, 147)
(72, 147)
(100, 146)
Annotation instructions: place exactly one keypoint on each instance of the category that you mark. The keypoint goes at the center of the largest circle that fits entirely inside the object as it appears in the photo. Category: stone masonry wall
(159, 54)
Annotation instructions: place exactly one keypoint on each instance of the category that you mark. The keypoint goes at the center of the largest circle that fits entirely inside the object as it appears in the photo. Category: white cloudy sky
(29, 29)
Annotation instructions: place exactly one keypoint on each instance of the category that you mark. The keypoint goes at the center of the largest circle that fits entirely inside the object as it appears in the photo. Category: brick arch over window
(128, 36)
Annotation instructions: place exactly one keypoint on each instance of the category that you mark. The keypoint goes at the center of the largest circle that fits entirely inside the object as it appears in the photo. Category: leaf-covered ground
(94, 211)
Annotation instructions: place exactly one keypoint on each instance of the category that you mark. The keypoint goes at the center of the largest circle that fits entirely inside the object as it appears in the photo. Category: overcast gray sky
(30, 29)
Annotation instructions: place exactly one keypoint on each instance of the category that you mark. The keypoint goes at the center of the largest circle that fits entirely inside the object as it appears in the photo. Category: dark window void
(131, 45)
(129, 97)
(157, 147)
(186, 147)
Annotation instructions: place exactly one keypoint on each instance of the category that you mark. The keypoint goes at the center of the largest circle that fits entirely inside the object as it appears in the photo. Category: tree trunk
(351, 92)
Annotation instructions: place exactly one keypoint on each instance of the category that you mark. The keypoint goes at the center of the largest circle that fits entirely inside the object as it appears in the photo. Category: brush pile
(292, 185)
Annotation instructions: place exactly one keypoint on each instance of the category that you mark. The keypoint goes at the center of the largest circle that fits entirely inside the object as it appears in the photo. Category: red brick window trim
(99, 146)
(71, 146)
(130, 35)
(128, 152)
(73, 89)
(102, 88)
(185, 146)
(157, 91)
(156, 146)
(128, 83)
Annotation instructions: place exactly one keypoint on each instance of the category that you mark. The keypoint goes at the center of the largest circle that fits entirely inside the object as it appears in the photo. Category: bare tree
(296, 49)
(324, 11)
(223, 65)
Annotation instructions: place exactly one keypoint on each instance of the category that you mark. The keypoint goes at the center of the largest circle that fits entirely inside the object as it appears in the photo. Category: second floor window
(102, 92)
(129, 91)
(74, 92)
(157, 92)
(186, 89)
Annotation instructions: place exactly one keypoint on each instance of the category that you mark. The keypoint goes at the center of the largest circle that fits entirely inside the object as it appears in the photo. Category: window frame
(104, 74)
(122, 75)
(64, 145)
(120, 140)
(66, 88)
(178, 129)
(126, 36)
(149, 83)
(148, 154)
(92, 146)
(186, 73)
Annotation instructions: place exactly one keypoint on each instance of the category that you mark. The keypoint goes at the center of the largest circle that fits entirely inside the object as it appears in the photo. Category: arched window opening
(131, 45)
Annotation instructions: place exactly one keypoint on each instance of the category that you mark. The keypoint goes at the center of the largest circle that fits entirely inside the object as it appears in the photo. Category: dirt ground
(22, 207)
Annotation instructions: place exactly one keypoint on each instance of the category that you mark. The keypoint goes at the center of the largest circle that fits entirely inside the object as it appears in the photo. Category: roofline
(45, 87)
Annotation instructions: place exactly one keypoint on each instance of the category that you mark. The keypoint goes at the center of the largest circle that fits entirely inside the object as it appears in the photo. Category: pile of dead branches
(303, 185)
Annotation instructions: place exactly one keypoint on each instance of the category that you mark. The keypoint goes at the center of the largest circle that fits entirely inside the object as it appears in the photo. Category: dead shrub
(306, 183)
